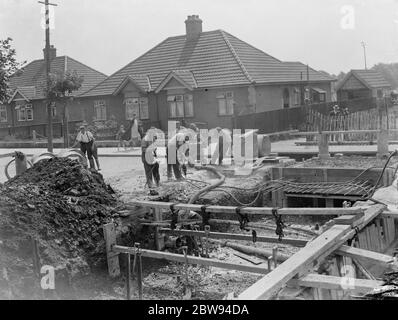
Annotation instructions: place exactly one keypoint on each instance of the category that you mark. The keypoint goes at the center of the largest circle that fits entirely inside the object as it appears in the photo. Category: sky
(108, 34)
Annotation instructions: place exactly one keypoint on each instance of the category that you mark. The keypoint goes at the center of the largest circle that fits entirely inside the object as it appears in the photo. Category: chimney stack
(53, 52)
(193, 26)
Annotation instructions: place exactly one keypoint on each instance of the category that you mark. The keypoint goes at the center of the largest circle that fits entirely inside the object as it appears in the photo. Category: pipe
(206, 189)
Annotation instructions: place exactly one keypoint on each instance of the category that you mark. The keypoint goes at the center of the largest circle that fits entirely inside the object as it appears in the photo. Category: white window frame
(180, 106)
(100, 105)
(142, 106)
(296, 96)
(23, 110)
(322, 97)
(53, 109)
(3, 113)
(226, 102)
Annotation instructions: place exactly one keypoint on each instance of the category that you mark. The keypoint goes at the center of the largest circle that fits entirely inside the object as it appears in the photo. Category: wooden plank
(255, 210)
(112, 257)
(252, 259)
(193, 260)
(346, 219)
(390, 214)
(236, 236)
(275, 280)
(380, 237)
(373, 257)
(335, 283)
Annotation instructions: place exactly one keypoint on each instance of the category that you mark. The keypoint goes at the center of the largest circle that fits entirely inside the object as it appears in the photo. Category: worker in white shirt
(86, 140)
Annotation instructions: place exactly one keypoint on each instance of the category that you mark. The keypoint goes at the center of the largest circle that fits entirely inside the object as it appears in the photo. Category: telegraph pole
(48, 71)
(364, 53)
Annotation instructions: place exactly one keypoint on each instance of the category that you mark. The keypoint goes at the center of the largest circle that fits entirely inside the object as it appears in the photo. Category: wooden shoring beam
(192, 260)
(389, 214)
(314, 133)
(236, 236)
(315, 251)
(266, 211)
(370, 256)
(335, 283)
(266, 287)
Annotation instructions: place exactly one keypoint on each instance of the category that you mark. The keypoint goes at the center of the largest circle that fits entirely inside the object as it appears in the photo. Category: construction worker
(149, 158)
(120, 137)
(86, 140)
(172, 156)
(95, 155)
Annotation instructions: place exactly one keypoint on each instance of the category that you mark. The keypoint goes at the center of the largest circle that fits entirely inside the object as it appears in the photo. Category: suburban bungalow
(26, 110)
(203, 77)
(362, 84)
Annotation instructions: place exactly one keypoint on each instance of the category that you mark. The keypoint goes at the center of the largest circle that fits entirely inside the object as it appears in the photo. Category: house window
(180, 106)
(53, 109)
(296, 97)
(137, 107)
(286, 98)
(322, 97)
(100, 110)
(188, 106)
(225, 103)
(25, 112)
(3, 113)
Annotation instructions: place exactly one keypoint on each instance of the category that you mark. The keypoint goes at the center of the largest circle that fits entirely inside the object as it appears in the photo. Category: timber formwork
(355, 237)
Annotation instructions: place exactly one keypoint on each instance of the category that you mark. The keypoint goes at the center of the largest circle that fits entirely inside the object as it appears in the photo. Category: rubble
(62, 206)
(389, 291)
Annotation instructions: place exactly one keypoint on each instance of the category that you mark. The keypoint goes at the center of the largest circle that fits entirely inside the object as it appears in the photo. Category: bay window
(137, 107)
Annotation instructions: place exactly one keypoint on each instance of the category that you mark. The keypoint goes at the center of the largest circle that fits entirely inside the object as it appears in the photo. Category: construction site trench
(53, 215)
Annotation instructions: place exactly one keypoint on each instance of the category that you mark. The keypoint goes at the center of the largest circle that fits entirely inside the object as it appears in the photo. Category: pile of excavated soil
(62, 206)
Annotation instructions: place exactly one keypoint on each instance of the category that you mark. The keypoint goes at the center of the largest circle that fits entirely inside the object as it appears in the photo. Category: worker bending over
(149, 158)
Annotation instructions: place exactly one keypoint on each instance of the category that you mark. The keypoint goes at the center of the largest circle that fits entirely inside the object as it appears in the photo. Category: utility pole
(48, 71)
(364, 53)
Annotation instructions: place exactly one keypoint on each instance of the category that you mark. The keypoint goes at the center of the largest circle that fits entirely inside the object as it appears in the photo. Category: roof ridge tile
(231, 48)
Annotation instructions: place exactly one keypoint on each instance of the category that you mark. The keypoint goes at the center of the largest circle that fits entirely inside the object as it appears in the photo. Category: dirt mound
(62, 206)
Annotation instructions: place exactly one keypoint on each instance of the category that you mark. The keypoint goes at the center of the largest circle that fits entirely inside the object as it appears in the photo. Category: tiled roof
(186, 77)
(32, 81)
(141, 80)
(215, 58)
(372, 78)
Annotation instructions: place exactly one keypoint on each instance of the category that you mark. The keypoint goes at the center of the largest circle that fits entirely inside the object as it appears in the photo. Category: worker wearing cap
(86, 140)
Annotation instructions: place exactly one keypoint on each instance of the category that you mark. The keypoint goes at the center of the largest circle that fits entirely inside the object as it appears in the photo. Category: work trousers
(87, 149)
(151, 172)
(176, 168)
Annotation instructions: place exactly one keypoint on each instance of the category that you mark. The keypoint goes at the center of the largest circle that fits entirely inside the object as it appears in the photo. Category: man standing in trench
(86, 140)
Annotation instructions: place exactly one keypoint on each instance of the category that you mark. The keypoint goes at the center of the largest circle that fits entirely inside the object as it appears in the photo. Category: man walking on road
(86, 140)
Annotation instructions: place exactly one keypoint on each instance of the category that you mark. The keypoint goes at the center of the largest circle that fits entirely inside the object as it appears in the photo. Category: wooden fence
(362, 120)
(296, 117)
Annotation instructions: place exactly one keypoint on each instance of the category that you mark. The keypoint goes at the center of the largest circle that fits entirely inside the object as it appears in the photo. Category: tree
(8, 66)
(61, 88)
(389, 72)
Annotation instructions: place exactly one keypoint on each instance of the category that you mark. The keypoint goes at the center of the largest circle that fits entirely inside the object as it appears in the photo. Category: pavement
(284, 147)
